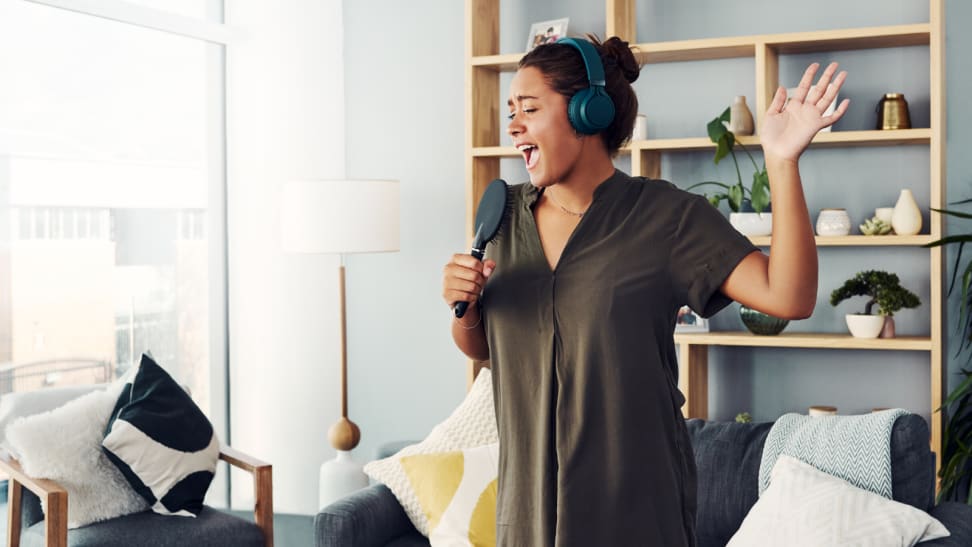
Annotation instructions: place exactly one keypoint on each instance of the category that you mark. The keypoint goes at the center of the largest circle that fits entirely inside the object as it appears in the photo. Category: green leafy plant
(965, 304)
(744, 418)
(955, 472)
(875, 227)
(884, 289)
(735, 194)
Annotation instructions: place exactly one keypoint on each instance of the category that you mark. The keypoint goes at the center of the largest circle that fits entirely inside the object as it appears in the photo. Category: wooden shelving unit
(484, 151)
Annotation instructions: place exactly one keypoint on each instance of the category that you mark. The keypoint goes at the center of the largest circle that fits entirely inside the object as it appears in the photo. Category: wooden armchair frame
(56, 498)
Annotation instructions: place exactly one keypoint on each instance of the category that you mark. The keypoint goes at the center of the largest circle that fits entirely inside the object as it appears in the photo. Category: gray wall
(404, 76)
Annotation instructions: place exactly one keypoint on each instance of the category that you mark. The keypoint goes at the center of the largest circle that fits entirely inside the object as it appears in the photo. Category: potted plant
(746, 203)
(885, 290)
(955, 473)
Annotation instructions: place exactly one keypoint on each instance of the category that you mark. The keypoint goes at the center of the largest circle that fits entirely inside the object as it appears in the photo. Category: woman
(575, 305)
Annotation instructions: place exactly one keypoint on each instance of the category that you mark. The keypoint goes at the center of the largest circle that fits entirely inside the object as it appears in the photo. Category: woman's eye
(512, 115)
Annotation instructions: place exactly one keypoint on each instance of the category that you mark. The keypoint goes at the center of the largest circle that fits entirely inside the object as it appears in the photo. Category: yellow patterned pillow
(457, 493)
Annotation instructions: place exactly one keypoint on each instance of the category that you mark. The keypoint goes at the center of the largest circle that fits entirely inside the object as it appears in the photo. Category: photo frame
(546, 32)
(790, 91)
(689, 321)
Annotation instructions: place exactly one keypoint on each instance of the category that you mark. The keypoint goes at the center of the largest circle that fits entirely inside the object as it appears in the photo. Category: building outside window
(112, 189)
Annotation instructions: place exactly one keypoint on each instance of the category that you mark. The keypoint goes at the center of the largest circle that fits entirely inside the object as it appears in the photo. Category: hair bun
(619, 54)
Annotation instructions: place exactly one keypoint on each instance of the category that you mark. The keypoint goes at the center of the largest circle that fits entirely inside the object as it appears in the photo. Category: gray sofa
(728, 457)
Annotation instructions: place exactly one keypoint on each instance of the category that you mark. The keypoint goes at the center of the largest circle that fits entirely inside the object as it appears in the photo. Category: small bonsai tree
(758, 194)
(744, 418)
(884, 289)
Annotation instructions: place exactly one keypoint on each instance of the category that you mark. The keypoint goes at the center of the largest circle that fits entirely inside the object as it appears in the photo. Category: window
(111, 193)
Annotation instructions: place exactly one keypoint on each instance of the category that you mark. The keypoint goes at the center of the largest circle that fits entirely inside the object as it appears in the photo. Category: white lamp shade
(340, 216)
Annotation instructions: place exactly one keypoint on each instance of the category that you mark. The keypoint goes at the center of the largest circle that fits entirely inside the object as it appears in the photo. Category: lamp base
(340, 477)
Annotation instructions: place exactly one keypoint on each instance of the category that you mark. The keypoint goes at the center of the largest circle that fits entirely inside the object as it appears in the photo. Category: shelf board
(804, 340)
(859, 241)
(822, 140)
(745, 46)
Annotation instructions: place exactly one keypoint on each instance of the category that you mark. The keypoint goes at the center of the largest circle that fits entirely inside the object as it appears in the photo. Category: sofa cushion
(211, 528)
(728, 454)
(912, 463)
(805, 507)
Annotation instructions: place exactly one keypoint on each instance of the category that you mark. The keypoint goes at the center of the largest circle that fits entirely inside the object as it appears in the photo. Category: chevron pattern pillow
(805, 507)
(162, 442)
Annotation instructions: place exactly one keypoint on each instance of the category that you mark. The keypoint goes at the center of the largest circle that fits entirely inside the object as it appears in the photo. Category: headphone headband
(589, 110)
(592, 61)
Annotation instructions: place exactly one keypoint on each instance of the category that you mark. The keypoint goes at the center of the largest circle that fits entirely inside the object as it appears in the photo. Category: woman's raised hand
(788, 126)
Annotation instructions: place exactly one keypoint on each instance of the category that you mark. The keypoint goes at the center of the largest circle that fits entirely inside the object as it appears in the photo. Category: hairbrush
(490, 214)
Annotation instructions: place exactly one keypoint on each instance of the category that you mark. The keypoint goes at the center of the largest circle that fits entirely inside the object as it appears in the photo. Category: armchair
(28, 527)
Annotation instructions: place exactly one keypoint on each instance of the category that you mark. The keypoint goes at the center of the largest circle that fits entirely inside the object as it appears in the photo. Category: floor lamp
(340, 217)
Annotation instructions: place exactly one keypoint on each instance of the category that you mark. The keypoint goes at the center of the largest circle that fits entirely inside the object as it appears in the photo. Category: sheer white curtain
(285, 112)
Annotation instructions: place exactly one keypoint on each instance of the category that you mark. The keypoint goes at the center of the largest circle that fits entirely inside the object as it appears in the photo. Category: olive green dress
(593, 446)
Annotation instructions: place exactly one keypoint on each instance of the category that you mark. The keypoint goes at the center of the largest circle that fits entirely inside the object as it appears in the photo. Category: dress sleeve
(705, 250)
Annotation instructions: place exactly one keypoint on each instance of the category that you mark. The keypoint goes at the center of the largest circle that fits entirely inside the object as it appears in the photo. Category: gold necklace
(564, 209)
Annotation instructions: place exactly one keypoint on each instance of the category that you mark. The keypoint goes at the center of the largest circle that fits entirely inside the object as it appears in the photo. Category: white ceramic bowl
(752, 224)
(864, 326)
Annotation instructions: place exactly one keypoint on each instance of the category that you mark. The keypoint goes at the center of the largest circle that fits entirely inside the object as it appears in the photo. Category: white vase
(740, 118)
(340, 477)
(906, 217)
(864, 326)
(752, 224)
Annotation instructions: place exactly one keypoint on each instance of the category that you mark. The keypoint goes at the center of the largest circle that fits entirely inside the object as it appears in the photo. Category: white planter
(752, 224)
(864, 326)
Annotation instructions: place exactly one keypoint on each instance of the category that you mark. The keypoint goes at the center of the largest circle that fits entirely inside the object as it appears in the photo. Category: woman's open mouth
(531, 155)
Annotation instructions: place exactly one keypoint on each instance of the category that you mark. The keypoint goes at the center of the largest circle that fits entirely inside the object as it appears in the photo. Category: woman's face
(540, 129)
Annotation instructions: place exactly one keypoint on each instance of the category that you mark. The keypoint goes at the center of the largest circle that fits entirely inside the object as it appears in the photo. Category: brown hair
(564, 70)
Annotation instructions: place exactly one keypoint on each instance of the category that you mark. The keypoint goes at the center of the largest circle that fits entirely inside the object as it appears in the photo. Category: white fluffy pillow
(20, 404)
(805, 507)
(64, 445)
(471, 424)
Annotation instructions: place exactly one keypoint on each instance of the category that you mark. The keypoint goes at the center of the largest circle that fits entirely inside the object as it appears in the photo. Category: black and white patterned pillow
(162, 442)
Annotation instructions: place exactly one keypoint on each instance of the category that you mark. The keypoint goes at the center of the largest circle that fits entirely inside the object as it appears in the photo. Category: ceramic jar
(906, 217)
(884, 214)
(833, 222)
(740, 118)
(822, 410)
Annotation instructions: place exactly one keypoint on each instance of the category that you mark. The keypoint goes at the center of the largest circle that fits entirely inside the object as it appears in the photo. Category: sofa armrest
(369, 517)
(957, 517)
(56, 498)
(262, 488)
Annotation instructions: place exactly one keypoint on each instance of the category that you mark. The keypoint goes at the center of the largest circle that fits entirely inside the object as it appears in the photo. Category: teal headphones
(589, 110)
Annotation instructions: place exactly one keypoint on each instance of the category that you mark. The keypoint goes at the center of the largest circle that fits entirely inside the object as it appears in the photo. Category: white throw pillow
(805, 507)
(457, 493)
(471, 424)
(64, 445)
(27, 403)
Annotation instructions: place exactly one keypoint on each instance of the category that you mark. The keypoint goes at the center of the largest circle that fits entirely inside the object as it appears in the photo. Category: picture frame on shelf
(689, 321)
(546, 32)
(790, 91)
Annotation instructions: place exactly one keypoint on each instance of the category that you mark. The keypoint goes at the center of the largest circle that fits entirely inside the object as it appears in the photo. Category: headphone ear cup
(590, 110)
(598, 110)
(575, 112)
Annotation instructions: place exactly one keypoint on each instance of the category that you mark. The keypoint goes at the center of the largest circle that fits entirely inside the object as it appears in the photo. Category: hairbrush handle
(460, 307)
